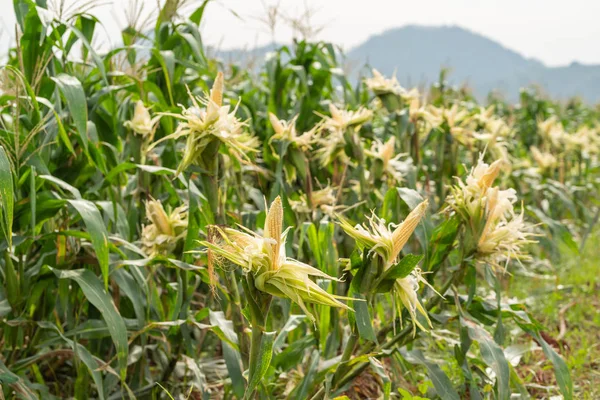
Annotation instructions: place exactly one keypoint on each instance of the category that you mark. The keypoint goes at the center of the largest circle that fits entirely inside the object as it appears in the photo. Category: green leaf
(492, 354)
(516, 381)
(76, 101)
(390, 204)
(441, 382)
(13, 294)
(356, 259)
(152, 169)
(32, 43)
(441, 243)
(18, 384)
(411, 197)
(167, 262)
(313, 240)
(292, 323)
(62, 184)
(363, 319)
(194, 40)
(32, 199)
(196, 16)
(293, 353)
(130, 287)
(4, 308)
(97, 59)
(8, 379)
(403, 268)
(93, 291)
(62, 133)
(561, 370)
(194, 221)
(166, 59)
(233, 359)
(98, 234)
(324, 314)
(309, 378)
(119, 220)
(84, 355)
(263, 361)
(327, 247)
(6, 196)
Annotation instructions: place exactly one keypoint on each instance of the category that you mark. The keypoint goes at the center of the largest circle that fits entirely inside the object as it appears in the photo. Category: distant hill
(417, 53)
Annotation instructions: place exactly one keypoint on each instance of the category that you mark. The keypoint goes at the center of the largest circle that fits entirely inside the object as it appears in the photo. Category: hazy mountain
(417, 54)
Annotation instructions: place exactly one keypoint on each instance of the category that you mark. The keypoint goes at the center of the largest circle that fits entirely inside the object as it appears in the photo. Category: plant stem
(319, 393)
(238, 319)
(259, 304)
(255, 344)
(348, 350)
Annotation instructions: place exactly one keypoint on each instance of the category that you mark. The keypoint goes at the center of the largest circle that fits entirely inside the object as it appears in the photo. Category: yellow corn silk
(485, 131)
(142, 123)
(420, 113)
(264, 257)
(544, 161)
(294, 147)
(585, 140)
(387, 241)
(497, 233)
(380, 85)
(209, 120)
(286, 131)
(395, 166)
(160, 237)
(552, 133)
(323, 199)
(344, 119)
(332, 129)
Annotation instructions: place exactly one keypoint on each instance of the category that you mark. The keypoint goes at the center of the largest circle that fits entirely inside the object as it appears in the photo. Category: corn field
(175, 227)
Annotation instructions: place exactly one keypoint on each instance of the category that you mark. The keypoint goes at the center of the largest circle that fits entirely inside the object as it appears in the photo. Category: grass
(569, 308)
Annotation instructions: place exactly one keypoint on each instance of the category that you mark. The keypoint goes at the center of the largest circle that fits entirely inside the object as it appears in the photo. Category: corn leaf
(441, 382)
(98, 233)
(76, 102)
(92, 289)
(6, 196)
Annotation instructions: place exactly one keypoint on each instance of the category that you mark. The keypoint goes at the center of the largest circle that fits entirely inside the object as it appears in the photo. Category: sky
(556, 32)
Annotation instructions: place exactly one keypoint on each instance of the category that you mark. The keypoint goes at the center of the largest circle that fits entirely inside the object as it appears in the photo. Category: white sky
(557, 32)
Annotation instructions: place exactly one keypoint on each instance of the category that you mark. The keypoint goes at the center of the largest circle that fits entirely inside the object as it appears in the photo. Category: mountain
(417, 53)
